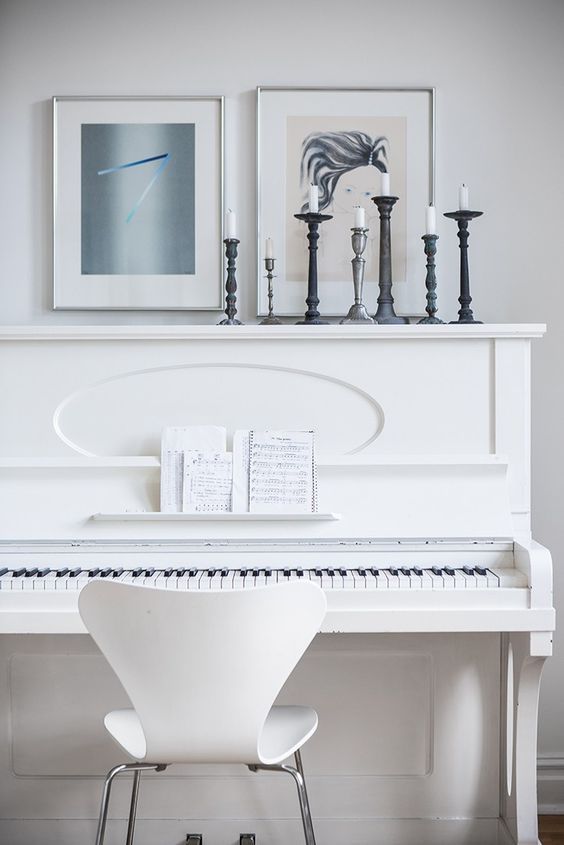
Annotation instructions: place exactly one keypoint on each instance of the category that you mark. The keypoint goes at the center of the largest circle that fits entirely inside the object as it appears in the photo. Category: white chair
(202, 670)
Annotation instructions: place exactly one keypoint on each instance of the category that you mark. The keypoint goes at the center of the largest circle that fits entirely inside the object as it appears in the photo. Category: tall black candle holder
(231, 245)
(465, 314)
(385, 313)
(431, 281)
(312, 315)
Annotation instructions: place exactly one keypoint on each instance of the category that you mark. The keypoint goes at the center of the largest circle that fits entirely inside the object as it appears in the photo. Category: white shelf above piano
(158, 516)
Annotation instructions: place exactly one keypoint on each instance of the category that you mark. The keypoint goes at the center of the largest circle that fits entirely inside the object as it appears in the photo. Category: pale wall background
(498, 67)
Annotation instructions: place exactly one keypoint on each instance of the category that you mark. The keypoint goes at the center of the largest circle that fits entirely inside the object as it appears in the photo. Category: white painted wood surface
(424, 432)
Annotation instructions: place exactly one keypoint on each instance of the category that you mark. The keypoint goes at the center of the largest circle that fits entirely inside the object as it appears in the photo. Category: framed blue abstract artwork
(138, 202)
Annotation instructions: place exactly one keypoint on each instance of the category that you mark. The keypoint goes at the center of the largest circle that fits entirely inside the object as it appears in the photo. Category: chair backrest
(202, 669)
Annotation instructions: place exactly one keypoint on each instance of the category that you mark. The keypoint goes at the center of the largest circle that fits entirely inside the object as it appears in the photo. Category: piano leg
(523, 657)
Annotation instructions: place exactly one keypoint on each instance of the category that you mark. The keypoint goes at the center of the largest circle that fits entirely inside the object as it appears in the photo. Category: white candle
(359, 217)
(463, 197)
(385, 185)
(230, 224)
(268, 249)
(430, 220)
(313, 199)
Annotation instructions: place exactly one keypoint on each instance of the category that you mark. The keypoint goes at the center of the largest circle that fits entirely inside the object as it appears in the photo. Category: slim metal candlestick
(385, 313)
(270, 319)
(312, 315)
(431, 280)
(231, 284)
(357, 311)
(465, 314)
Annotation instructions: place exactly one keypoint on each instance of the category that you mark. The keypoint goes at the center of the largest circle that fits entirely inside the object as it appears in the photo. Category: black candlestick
(431, 280)
(231, 284)
(465, 314)
(385, 313)
(312, 315)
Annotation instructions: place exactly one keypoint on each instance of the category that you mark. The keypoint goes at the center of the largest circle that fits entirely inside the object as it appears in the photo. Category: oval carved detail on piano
(125, 414)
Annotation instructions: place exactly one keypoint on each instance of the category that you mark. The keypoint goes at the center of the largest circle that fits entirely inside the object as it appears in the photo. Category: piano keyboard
(369, 578)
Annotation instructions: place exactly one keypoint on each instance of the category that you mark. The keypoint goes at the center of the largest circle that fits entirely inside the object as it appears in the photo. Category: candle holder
(270, 319)
(357, 311)
(465, 314)
(312, 315)
(231, 284)
(385, 313)
(431, 281)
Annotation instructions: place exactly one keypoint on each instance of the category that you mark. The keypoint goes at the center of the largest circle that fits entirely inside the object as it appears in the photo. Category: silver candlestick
(270, 319)
(357, 312)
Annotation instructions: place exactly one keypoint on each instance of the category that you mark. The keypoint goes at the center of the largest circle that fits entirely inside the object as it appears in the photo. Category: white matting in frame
(138, 203)
(350, 136)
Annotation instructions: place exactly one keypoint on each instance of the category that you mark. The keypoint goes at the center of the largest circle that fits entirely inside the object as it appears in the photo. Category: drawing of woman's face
(357, 187)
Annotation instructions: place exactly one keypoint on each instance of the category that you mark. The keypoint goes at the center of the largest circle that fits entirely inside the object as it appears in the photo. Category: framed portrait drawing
(138, 202)
(342, 139)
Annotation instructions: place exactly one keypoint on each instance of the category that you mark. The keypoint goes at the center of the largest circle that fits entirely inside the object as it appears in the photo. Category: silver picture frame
(188, 275)
(274, 105)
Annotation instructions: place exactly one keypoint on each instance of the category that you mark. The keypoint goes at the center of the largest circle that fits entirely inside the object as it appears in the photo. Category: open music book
(268, 471)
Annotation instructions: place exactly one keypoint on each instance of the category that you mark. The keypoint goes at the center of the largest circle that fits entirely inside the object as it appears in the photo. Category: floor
(551, 830)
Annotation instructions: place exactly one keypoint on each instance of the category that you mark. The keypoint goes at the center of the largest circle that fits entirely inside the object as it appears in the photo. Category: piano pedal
(247, 839)
(194, 839)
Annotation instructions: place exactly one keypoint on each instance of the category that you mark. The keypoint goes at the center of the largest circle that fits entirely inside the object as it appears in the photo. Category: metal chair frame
(138, 768)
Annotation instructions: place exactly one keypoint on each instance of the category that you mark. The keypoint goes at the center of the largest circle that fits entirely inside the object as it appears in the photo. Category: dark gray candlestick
(231, 284)
(465, 314)
(312, 315)
(385, 313)
(431, 280)
(271, 319)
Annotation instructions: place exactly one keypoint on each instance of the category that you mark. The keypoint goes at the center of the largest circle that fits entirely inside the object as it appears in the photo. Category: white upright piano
(426, 673)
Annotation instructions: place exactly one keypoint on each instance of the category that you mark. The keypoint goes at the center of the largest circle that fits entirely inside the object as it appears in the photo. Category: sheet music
(282, 476)
(208, 478)
(240, 497)
(175, 441)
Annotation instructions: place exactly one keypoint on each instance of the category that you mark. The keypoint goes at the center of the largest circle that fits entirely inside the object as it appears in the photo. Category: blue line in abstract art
(164, 158)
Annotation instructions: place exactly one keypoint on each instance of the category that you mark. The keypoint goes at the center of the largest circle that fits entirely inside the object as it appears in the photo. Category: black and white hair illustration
(326, 156)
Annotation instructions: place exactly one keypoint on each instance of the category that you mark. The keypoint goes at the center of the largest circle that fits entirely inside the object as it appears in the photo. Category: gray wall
(499, 71)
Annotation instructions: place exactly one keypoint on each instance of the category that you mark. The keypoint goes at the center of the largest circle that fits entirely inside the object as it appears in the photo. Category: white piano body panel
(424, 455)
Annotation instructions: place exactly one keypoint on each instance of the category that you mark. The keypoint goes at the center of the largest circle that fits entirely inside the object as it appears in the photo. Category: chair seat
(286, 729)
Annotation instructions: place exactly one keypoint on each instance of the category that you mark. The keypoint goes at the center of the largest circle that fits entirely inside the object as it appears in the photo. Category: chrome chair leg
(137, 768)
(133, 807)
(302, 793)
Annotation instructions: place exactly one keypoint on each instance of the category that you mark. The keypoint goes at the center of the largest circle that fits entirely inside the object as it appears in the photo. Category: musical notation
(281, 472)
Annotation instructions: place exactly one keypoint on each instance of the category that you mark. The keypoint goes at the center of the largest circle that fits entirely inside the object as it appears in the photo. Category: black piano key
(331, 573)
(468, 570)
(393, 570)
(3, 571)
(286, 573)
(481, 570)
(29, 573)
(405, 570)
(17, 573)
(299, 572)
(449, 570)
(135, 573)
(437, 570)
(105, 572)
(61, 572)
(268, 573)
(362, 573)
(74, 573)
(211, 573)
(93, 572)
(149, 572)
(180, 573)
(224, 573)
(374, 572)
(318, 572)
(243, 573)
(41, 573)
(417, 570)
(167, 572)
(117, 572)
(342, 572)
(193, 573)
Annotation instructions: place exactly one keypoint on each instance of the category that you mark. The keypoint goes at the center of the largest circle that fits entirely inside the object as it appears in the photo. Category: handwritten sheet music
(175, 441)
(208, 478)
(282, 477)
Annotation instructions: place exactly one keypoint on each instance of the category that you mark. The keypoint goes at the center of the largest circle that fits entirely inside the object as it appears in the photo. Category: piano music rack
(158, 516)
